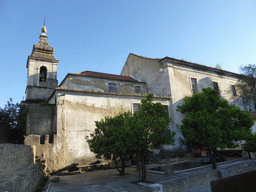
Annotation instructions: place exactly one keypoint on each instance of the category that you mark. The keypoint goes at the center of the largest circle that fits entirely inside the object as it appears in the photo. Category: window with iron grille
(112, 87)
(216, 87)
(138, 89)
(194, 85)
(233, 90)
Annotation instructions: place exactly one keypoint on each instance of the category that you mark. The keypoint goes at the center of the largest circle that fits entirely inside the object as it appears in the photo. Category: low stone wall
(14, 157)
(18, 173)
(51, 154)
(202, 176)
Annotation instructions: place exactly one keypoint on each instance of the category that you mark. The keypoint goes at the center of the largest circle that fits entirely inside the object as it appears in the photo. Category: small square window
(194, 85)
(112, 87)
(216, 87)
(138, 89)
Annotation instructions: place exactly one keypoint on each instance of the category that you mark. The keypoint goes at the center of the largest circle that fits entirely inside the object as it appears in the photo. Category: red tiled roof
(106, 76)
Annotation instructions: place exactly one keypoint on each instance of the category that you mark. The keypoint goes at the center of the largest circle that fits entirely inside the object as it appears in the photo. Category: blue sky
(99, 35)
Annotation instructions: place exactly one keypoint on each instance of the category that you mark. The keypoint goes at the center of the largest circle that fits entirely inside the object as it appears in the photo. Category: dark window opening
(112, 87)
(42, 139)
(194, 85)
(51, 138)
(216, 87)
(43, 74)
(233, 90)
(138, 89)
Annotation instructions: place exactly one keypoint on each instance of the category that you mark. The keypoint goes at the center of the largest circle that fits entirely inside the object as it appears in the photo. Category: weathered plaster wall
(182, 87)
(77, 115)
(51, 153)
(97, 84)
(149, 71)
(174, 79)
(41, 119)
(36, 89)
(34, 71)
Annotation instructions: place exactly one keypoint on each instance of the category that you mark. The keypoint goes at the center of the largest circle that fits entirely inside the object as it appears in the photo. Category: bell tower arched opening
(43, 74)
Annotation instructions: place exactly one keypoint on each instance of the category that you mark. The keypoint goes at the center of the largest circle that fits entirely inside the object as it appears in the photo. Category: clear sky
(98, 35)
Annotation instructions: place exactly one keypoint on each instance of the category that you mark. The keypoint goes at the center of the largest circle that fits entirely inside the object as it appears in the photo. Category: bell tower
(41, 70)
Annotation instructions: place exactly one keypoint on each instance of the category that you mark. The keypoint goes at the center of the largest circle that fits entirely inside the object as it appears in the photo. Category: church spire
(43, 36)
(44, 30)
(42, 50)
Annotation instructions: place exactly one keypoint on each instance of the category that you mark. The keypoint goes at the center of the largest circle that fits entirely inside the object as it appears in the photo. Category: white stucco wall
(172, 77)
(77, 116)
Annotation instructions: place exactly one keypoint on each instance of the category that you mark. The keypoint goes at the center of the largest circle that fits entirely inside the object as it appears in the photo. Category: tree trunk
(144, 173)
(213, 157)
(138, 165)
(123, 167)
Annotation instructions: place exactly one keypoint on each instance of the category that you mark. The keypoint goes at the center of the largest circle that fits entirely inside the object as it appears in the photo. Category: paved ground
(110, 181)
(107, 180)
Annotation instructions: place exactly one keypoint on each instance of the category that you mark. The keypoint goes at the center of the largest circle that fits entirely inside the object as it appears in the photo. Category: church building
(61, 116)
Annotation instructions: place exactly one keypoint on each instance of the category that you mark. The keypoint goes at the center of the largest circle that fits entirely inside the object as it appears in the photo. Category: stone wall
(17, 170)
(46, 150)
(14, 157)
(200, 177)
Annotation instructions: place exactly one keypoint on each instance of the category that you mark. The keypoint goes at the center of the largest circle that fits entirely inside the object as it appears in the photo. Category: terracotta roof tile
(106, 76)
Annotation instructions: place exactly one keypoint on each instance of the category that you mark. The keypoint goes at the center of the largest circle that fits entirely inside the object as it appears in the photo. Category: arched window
(43, 74)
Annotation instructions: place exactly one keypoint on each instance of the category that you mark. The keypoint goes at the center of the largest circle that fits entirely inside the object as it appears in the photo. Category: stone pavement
(110, 181)
(102, 181)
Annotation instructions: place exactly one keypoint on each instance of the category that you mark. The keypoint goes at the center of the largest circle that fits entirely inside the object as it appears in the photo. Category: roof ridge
(106, 76)
(144, 57)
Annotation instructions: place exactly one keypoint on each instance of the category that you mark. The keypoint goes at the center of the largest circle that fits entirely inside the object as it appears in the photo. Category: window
(135, 108)
(194, 85)
(112, 87)
(43, 74)
(216, 87)
(138, 89)
(233, 90)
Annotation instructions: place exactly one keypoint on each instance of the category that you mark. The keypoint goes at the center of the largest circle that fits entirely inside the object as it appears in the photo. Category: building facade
(61, 116)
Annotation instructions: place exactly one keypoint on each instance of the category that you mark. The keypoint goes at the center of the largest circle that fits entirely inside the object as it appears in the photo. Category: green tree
(12, 123)
(150, 130)
(211, 123)
(250, 144)
(218, 66)
(112, 138)
(247, 84)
